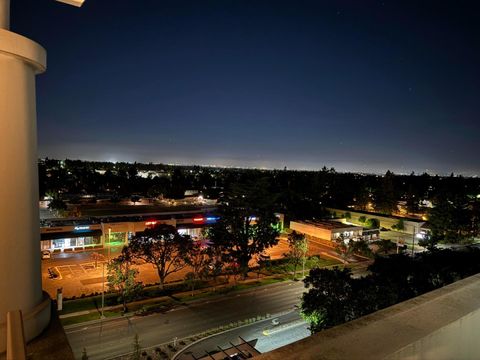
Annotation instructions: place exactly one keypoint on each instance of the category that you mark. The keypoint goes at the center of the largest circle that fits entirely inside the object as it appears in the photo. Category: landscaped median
(87, 309)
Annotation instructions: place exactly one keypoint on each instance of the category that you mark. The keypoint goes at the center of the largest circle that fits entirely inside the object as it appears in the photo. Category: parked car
(46, 254)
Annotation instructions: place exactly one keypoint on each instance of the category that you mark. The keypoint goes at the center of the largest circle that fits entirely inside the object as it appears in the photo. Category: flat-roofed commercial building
(410, 226)
(96, 232)
(326, 230)
(58, 235)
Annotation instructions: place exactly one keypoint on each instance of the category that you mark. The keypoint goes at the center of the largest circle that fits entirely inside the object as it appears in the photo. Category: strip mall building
(80, 234)
(59, 235)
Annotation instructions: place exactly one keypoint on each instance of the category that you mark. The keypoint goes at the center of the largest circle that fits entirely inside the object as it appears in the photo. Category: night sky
(358, 85)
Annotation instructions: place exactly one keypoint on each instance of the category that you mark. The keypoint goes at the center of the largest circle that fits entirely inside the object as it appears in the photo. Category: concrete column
(20, 273)
(5, 14)
(15, 336)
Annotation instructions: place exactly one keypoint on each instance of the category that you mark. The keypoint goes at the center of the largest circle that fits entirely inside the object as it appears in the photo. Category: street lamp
(413, 243)
(103, 289)
(103, 270)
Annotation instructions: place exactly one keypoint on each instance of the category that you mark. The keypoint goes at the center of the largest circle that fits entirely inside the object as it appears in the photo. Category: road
(263, 334)
(114, 337)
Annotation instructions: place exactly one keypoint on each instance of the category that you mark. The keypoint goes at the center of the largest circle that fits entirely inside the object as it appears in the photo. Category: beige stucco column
(4, 14)
(20, 274)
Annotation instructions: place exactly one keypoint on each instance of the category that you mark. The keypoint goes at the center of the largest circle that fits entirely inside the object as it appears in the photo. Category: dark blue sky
(357, 85)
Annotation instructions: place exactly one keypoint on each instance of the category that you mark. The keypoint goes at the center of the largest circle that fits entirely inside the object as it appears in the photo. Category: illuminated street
(115, 336)
(290, 328)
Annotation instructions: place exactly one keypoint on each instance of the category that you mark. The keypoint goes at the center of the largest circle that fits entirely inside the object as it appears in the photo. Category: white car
(46, 254)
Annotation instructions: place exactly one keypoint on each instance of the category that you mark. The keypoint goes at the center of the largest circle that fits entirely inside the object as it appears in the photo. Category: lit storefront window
(115, 238)
(76, 242)
(196, 232)
(58, 244)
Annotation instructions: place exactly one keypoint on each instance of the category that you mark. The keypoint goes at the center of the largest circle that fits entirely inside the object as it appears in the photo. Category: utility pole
(103, 270)
(103, 289)
(413, 243)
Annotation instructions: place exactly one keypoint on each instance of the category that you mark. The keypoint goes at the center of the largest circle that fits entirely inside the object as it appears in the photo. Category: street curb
(283, 327)
(179, 352)
(99, 321)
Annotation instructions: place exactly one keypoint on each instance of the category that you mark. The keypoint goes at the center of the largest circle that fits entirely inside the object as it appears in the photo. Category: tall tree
(412, 199)
(247, 224)
(298, 248)
(122, 278)
(217, 260)
(329, 300)
(57, 206)
(361, 247)
(450, 220)
(429, 241)
(386, 199)
(178, 184)
(199, 258)
(344, 247)
(384, 246)
(163, 247)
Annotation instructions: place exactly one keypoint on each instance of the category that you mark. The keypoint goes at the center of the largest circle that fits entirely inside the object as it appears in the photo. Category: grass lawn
(87, 317)
(87, 303)
(283, 266)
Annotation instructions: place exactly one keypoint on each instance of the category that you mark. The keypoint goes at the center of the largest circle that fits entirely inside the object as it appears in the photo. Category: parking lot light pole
(103, 289)
(303, 267)
(413, 243)
(109, 242)
(103, 270)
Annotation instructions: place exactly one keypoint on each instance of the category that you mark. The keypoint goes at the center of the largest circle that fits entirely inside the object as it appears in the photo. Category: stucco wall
(410, 227)
(311, 230)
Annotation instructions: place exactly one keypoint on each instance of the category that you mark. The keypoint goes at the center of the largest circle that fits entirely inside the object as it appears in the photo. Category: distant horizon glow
(364, 86)
(343, 168)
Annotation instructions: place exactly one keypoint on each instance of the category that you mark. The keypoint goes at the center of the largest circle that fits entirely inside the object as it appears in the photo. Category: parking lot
(77, 273)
